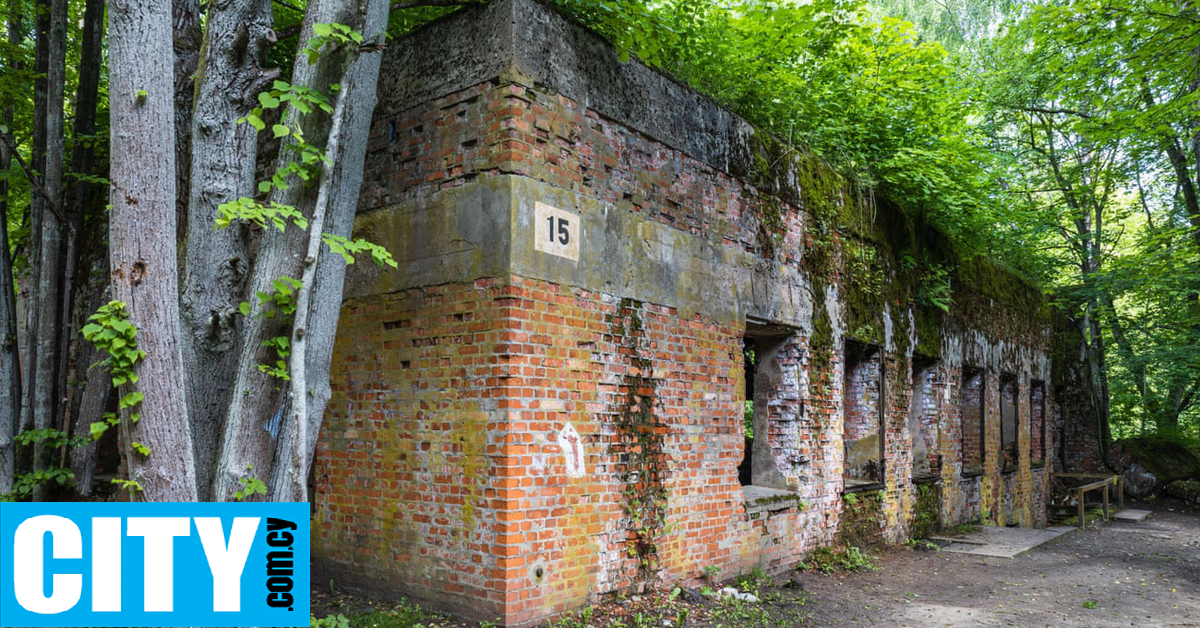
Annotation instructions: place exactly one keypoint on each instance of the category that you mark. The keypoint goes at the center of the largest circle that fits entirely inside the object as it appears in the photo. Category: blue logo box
(154, 564)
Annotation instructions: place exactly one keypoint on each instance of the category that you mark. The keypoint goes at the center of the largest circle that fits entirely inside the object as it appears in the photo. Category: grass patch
(828, 560)
(964, 529)
(402, 615)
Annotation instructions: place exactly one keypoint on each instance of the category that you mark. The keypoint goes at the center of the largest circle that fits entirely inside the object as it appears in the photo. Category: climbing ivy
(639, 443)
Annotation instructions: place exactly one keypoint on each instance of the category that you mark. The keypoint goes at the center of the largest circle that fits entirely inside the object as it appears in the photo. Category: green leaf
(280, 130)
(267, 101)
(97, 429)
(255, 122)
(140, 448)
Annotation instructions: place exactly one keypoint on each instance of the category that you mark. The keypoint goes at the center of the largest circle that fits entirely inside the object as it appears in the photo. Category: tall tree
(142, 236)
(232, 71)
(51, 227)
(80, 197)
(10, 359)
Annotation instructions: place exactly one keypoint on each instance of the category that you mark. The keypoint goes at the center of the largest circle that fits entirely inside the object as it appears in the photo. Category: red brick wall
(408, 483)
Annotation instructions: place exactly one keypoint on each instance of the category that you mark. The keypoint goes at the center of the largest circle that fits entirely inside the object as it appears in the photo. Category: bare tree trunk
(142, 236)
(344, 184)
(186, 16)
(44, 377)
(80, 196)
(230, 74)
(37, 211)
(10, 363)
(89, 400)
(10, 357)
(260, 429)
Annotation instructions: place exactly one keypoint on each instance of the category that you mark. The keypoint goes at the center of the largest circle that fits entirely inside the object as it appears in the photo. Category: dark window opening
(1037, 423)
(773, 405)
(1009, 424)
(863, 412)
(971, 401)
(745, 469)
(923, 421)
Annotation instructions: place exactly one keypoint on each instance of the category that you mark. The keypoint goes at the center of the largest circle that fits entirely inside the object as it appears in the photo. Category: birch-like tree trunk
(261, 432)
(344, 183)
(230, 75)
(142, 238)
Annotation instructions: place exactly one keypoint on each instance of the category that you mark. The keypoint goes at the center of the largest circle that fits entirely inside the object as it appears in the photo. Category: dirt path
(1121, 574)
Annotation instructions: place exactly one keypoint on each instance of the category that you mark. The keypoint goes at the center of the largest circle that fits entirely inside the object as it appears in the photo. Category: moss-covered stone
(1169, 458)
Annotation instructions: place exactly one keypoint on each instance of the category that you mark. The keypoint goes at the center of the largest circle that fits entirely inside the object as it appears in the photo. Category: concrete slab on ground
(1131, 514)
(1002, 542)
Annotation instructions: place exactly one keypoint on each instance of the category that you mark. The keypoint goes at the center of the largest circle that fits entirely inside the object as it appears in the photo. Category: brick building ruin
(545, 402)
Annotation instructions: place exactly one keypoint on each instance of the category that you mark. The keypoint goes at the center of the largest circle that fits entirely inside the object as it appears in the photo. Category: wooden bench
(1102, 482)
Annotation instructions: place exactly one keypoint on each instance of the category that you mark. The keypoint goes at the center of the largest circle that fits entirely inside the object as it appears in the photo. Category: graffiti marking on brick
(572, 446)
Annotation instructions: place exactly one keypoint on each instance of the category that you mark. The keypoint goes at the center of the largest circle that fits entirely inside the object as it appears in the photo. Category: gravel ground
(1120, 574)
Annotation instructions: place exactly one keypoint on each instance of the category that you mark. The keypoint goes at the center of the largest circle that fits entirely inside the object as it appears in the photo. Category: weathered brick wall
(924, 419)
(1008, 423)
(785, 447)
(862, 391)
(971, 401)
(1037, 411)
(514, 434)
(406, 474)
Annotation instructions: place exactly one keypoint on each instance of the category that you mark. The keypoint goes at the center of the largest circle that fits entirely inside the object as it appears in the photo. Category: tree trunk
(80, 196)
(230, 74)
(46, 321)
(89, 400)
(188, 34)
(261, 431)
(345, 184)
(142, 236)
(10, 363)
(37, 204)
(10, 357)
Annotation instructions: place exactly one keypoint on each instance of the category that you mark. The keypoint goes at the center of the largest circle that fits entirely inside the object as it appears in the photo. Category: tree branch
(1045, 110)
(50, 202)
(396, 6)
(399, 6)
